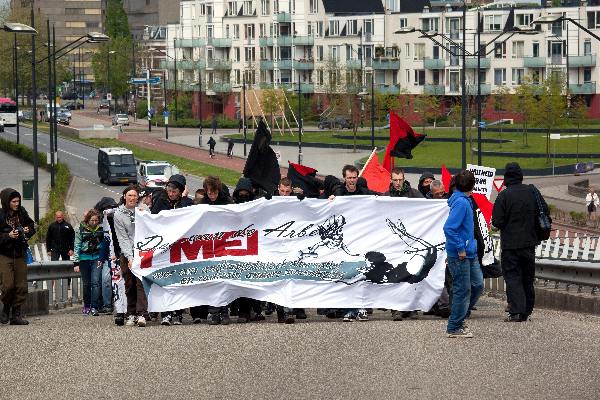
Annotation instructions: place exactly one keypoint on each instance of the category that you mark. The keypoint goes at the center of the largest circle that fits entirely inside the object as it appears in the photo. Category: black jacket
(406, 191)
(60, 237)
(160, 202)
(9, 247)
(222, 199)
(360, 190)
(515, 211)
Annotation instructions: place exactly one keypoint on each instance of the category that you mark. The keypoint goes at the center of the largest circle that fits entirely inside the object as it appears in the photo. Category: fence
(63, 284)
(565, 258)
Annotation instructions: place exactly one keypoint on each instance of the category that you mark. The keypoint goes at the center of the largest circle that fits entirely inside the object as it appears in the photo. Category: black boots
(16, 317)
(4, 315)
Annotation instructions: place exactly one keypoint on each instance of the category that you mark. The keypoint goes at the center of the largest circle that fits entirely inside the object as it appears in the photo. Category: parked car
(62, 118)
(66, 112)
(104, 104)
(120, 119)
(73, 105)
(116, 165)
(25, 115)
(337, 122)
(155, 173)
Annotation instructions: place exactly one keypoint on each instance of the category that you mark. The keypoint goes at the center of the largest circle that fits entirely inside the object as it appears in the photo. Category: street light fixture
(300, 122)
(199, 84)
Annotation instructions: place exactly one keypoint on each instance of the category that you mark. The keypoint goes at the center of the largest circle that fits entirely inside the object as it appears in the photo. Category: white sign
(109, 96)
(555, 136)
(352, 252)
(484, 179)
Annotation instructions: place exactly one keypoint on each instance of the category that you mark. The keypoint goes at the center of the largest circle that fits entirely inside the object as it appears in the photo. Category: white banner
(484, 179)
(352, 252)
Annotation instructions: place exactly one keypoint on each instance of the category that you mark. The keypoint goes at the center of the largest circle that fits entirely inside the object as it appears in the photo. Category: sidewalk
(12, 172)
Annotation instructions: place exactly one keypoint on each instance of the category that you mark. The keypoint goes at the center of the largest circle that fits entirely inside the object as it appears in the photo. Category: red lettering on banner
(191, 249)
(228, 244)
(146, 261)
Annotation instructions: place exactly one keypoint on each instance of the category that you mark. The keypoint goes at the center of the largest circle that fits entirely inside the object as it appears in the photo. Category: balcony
(353, 64)
(284, 64)
(304, 40)
(486, 89)
(219, 87)
(166, 64)
(266, 65)
(284, 40)
(218, 64)
(305, 65)
(582, 61)
(434, 90)
(472, 63)
(387, 64)
(434, 63)
(534, 62)
(188, 64)
(284, 17)
(391, 89)
(179, 43)
(219, 42)
(583, 88)
(265, 41)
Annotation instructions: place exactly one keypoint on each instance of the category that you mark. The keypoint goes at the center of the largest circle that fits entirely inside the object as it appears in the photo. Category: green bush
(578, 218)
(222, 123)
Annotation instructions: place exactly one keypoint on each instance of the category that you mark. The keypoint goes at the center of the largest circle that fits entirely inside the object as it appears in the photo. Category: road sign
(154, 80)
(166, 113)
(143, 81)
(499, 184)
(482, 124)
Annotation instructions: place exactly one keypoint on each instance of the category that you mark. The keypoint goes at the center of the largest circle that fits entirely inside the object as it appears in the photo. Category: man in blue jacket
(461, 249)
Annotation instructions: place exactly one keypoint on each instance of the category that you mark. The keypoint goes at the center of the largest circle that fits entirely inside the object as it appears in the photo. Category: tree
(503, 102)
(117, 23)
(428, 107)
(578, 115)
(525, 103)
(551, 108)
(270, 101)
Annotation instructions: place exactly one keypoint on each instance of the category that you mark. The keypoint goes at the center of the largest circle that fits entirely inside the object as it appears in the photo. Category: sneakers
(300, 313)
(515, 318)
(460, 333)
(86, 310)
(106, 310)
(290, 318)
(167, 319)
(178, 319)
(94, 312)
(131, 320)
(214, 319)
(410, 314)
(141, 321)
(362, 315)
(397, 315)
(197, 320)
(349, 317)
(120, 319)
(224, 317)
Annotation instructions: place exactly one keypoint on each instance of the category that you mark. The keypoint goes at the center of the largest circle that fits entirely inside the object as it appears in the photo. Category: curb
(563, 300)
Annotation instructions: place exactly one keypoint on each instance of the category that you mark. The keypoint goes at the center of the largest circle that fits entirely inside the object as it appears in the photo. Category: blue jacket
(459, 227)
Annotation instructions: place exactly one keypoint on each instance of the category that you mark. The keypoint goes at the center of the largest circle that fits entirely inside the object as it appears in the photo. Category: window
(499, 76)
(407, 50)
(74, 24)
(517, 49)
(403, 22)
(334, 28)
(419, 51)
(73, 11)
(524, 19)
(436, 76)
(333, 78)
(408, 76)
(587, 48)
(352, 27)
(454, 58)
(209, 31)
(236, 31)
(593, 18)
(262, 30)
(250, 54)
(319, 31)
(334, 52)
(368, 27)
(419, 77)
(348, 52)
(454, 25)
(393, 5)
(265, 7)
(535, 49)
(263, 53)
(247, 8)
(232, 8)
(500, 50)
(314, 7)
(430, 24)
(587, 75)
(275, 6)
(249, 31)
(319, 53)
(517, 76)
(320, 77)
(493, 22)
(236, 54)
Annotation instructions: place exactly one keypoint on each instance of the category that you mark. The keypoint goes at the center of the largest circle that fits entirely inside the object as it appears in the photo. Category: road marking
(74, 155)
(99, 185)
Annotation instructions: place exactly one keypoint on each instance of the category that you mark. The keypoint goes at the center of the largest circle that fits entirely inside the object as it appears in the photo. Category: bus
(8, 111)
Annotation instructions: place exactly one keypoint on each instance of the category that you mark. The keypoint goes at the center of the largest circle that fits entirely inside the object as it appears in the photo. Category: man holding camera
(15, 229)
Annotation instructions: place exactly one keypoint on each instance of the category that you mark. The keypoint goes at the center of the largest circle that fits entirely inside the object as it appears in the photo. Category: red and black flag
(262, 166)
(305, 178)
(402, 140)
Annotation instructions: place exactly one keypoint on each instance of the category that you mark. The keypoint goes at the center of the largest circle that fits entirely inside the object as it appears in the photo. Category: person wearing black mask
(424, 182)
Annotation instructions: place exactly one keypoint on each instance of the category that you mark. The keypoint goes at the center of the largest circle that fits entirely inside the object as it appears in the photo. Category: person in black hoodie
(15, 229)
(424, 182)
(330, 185)
(60, 238)
(172, 197)
(515, 212)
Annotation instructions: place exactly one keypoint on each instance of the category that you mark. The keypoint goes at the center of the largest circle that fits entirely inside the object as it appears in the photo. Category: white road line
(74, 155)
(97, 184)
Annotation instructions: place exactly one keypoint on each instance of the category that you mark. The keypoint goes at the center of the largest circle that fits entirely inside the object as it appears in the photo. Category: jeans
(56, 256)
(467, 285)
(106, 285)
(91, 277)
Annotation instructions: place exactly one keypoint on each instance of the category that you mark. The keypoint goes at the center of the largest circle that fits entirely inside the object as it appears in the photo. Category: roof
(115, 150)
(413, 6)
(353, 6)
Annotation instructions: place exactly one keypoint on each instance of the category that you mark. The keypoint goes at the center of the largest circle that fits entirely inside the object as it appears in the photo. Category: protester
(89, 255)
(60, 238)
(436, 191)
(461, 249)
(515, 214)
(124, 220)
(400, 187)
(240, 125)
(230, 148)
(199, 195)
(15, 229)
(592, 202)
(211, 147)
(424, 182)
(214, 125)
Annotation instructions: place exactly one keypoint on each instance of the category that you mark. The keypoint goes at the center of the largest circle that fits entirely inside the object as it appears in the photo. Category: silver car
(120, 119)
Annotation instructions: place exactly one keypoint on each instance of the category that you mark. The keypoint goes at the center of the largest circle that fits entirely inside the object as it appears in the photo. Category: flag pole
(368, 161)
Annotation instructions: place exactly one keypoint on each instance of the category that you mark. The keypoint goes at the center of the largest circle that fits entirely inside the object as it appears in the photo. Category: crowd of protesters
(514, 214)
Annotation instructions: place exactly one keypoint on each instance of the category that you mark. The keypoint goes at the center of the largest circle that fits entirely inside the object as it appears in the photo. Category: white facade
(289, 41)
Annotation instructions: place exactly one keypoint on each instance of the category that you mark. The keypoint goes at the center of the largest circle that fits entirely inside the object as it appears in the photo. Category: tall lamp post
(108, 77)
(16, 65)
(28, 30)
(199, 84)
(300, 122)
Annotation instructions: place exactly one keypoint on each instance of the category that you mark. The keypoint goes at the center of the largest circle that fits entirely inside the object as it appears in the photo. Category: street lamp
(300, 122)
(108, 78)
(28, 30)
(199, 84)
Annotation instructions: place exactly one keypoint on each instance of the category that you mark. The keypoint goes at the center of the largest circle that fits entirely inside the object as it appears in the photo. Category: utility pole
(51, 108)
(148, 89)
(36, 197)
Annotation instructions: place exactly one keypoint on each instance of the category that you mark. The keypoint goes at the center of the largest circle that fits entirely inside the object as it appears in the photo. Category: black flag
(262, 166)
(305, 178)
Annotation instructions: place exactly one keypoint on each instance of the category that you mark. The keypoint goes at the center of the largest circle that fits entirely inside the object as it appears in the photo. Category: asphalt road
(68, 355)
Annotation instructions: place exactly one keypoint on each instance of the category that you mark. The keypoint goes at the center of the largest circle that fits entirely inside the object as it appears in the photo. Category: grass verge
(57, 194)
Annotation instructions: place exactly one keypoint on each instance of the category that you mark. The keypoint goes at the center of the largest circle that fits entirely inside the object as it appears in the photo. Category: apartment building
(325, 46)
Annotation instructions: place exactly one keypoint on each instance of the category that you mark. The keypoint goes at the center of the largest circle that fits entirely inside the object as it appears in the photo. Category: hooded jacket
(405, 191)
(330, 185)
(515, 211)
(243, 184)
(90, 244)
(9, 247)
(124, 220)
(108, 203)
(424, 189)
(459, 228)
